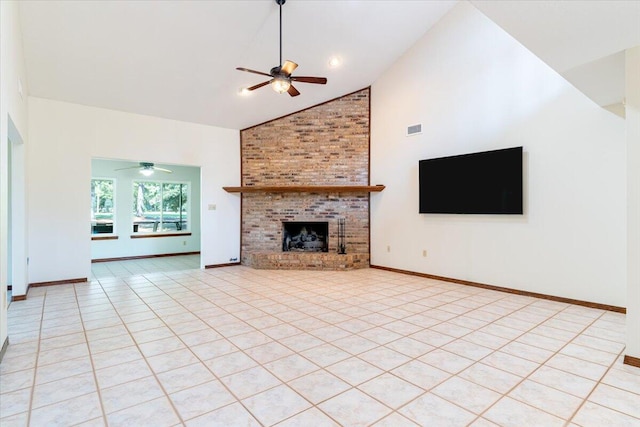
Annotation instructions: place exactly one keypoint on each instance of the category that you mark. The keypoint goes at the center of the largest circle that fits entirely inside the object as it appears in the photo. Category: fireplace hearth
(305, 236)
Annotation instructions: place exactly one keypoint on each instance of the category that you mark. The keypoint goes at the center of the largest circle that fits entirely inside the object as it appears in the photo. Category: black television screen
(479, 183)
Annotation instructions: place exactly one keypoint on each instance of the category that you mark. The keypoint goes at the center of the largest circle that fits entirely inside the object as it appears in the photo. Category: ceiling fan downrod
(280, 3)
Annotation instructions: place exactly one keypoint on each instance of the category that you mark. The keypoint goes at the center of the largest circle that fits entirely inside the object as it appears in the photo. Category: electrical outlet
(184, 243)
(424, 252)
(212, 207)
(388, 248)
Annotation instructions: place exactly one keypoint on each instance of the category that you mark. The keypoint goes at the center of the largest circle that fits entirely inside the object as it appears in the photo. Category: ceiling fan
(146, 168)
(281, 77)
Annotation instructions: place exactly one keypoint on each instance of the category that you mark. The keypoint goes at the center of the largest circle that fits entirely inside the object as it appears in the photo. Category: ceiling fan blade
(253, 71)
(288, 67)
(130, 167)
(293, 91)
(259, 85)
(316, 80)
(156, 168)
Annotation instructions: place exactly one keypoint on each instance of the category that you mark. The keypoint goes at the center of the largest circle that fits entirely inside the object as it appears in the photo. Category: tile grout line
(237, 292)
(187, 347)
(475, 362)
(356, 333)
(542, 321)
(542, 364)
(440, 322)
(493, 350)
(35, 367)
(285, 383)
(598, 382)
(153, 373)
(557, 312)
(381, 346)
(321, 368)
(93, 368)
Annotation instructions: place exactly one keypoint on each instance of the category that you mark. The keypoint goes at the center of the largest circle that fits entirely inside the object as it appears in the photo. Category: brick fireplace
(326, 145)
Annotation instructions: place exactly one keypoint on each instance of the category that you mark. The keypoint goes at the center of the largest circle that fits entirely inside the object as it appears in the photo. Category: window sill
(151, 235)
(113, 237)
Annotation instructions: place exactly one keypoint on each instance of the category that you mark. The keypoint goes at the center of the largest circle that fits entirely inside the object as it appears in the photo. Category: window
(102, 205)
(160, 206)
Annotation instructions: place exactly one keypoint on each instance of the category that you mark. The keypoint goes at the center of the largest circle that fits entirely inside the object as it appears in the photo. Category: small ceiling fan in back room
(281, 77)
(146, 168)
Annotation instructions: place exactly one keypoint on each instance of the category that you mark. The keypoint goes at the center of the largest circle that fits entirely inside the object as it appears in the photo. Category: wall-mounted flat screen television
(489, 182)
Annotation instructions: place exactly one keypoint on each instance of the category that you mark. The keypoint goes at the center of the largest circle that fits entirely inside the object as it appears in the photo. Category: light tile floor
(104, 270)
(144, 344)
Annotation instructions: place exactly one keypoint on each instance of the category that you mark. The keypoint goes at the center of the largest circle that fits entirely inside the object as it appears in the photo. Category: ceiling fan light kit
(281, 77)
(280, 84)
(147, 169)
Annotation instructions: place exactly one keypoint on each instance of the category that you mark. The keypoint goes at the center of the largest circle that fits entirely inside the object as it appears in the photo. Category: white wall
(65, 137)
(13, 115)
(632, 96)
(125, 246)
(474, 88)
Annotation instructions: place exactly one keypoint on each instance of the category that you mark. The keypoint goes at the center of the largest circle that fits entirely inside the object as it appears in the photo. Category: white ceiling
(177, 59)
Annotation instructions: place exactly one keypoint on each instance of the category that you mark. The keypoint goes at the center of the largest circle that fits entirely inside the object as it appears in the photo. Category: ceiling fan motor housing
(276, 70)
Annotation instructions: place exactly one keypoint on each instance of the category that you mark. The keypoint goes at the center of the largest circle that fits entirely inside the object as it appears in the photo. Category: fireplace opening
(305, 236)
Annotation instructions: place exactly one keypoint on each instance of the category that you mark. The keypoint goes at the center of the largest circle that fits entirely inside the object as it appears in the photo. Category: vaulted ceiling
(584, 41)
(177, 59)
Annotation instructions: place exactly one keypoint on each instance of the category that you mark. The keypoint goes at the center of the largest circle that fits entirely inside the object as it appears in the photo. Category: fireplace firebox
(305, 236)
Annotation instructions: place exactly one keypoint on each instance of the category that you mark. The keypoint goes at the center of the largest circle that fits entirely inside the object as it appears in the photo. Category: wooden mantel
(305, 189)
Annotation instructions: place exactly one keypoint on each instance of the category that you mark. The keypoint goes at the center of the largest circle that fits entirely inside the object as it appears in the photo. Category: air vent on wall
(414, 129)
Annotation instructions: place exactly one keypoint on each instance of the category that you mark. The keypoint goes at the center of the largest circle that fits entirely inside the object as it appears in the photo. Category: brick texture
(324, 145)
(306, 261)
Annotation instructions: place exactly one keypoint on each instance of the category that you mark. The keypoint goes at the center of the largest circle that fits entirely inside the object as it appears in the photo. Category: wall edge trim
(229, 264)
(3, 350)
(632, 361)
(589, 304)
(56, 282)
(127, 258)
